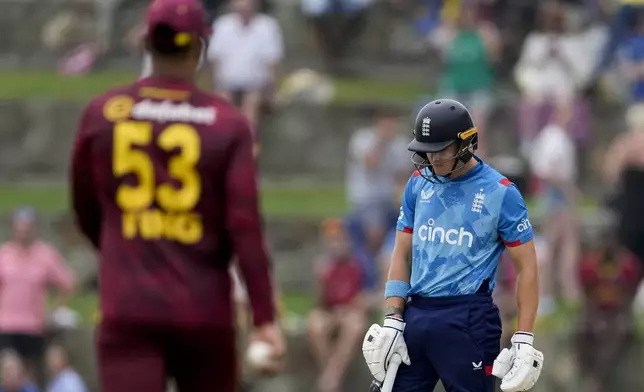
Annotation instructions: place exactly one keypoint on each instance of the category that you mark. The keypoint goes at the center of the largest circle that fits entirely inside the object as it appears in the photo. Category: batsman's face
(443, 161)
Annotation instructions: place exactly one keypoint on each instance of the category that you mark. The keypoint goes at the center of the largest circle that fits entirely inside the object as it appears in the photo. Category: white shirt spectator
(245, 53)
(67, 381)
(553, 155)
(368, 185)
(552, 65)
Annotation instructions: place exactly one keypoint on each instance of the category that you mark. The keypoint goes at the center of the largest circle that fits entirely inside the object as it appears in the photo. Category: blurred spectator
(63, 378)
(625, 20)
(632, 56)
(610, 277)
(305, 86)
(387, 248)
(134, 38)
(623, 169)
(505, 291)
(504, 295)
(373, 266)
(428, 16)
(28, 266)
(336, 25)
(71, 35)
(214, 7)
(81, 60)
(13, 377)
(470, 47)
(554, 163)
(552, 66)
(245, 53)
(378, 160)
(336, 325)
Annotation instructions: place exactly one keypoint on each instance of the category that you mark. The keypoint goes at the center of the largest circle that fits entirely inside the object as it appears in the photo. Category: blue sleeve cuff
(397, 288)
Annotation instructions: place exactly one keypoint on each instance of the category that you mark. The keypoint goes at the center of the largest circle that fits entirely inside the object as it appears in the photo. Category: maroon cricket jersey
(607, 285)
(341, 282)
(164, 184)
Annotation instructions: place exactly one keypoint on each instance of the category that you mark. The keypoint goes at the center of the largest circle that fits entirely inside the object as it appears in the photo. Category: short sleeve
(59, 274)
(408, 206)
(514, 225)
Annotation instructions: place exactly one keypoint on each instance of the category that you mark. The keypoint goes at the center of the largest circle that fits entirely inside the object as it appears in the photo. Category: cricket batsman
(457, 217)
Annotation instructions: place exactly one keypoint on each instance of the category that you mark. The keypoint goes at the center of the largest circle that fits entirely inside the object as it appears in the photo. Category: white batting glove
(527, 363)
(381, 343)
(503, 363)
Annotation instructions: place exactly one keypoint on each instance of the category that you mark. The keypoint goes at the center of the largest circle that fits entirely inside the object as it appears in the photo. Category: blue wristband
(397, 288)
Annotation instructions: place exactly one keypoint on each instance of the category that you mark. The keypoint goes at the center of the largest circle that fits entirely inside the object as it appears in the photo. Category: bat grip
(390, 377)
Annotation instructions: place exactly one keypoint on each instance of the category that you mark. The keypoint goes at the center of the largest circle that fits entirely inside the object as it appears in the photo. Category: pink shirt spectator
(25, 276)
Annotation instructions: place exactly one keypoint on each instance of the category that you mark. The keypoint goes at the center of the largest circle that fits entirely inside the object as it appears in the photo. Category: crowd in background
(558, 63)
(553, 54)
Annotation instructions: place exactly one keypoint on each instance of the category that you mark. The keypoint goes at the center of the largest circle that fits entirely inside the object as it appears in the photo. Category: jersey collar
(473, 172)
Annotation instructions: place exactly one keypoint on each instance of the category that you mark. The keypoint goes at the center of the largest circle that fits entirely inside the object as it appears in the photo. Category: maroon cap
(186, 17)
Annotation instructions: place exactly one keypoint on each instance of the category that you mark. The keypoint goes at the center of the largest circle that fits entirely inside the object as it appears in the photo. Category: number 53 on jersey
(175, 220)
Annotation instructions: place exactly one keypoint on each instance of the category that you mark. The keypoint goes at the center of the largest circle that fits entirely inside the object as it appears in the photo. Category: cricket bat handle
(390, 377)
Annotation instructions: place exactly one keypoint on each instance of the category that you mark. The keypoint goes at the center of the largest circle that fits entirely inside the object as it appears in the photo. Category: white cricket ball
(259, 354)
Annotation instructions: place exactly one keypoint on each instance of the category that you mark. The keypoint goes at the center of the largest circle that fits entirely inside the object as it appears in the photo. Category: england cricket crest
(425, 130)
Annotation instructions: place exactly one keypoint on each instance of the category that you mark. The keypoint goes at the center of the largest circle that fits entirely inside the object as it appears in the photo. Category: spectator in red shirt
(337, 323)
(609, 277)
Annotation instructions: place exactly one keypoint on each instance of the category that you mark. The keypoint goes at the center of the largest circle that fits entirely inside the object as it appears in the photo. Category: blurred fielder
(164, 185)
(457, 216)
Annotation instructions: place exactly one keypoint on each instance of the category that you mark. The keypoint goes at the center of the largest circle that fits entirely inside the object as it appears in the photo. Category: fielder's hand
(519, 368)
(381, 343)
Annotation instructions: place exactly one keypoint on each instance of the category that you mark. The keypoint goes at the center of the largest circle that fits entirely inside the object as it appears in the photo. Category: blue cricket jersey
(460, 228)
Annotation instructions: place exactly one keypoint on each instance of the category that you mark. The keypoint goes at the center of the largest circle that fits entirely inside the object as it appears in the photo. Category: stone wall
(302, 143)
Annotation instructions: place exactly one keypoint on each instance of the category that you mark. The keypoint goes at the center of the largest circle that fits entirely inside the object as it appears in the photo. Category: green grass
(86, 304)
(49, 85)
(356, 90)
(300, 304)
(276, 201)
(45, 198)
(304, 202)
(284, 202)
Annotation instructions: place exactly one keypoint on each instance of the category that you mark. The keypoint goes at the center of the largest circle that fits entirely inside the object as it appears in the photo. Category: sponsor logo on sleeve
(524, 225)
